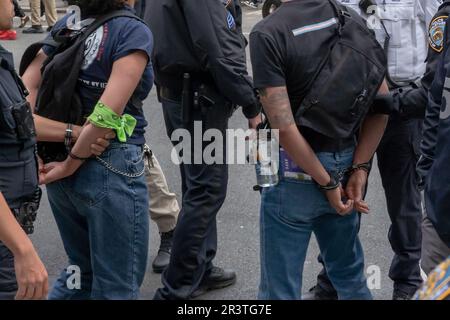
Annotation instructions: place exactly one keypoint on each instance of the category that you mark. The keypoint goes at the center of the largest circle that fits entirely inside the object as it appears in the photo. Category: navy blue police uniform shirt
(437, 189)
(116, 39)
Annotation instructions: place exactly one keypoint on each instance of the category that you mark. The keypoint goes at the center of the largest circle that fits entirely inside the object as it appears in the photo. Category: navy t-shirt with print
(116, 39)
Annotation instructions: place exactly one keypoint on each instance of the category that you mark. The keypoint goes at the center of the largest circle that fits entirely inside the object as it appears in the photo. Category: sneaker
(251, 4)
(401, 295)
(318, 293)
(217, 278)
(163, 258)
(34, 29)
(8, 35)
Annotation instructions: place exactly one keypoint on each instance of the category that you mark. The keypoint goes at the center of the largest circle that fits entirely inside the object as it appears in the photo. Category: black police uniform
(434, 147)
(18, 166)
(202, 38)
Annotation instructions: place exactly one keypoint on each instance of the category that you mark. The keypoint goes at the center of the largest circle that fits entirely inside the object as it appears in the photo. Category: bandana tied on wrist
(104, 117)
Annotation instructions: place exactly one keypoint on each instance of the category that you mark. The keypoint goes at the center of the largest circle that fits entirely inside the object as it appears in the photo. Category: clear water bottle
(266, 154)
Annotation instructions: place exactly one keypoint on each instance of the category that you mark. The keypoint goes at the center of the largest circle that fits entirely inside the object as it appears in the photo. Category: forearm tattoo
(277, 107)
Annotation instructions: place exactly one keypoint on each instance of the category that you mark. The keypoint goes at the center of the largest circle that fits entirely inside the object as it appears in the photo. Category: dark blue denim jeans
(290, 213)
(103, 220)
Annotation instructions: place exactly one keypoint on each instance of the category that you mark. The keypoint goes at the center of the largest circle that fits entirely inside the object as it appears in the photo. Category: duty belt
(27, 212)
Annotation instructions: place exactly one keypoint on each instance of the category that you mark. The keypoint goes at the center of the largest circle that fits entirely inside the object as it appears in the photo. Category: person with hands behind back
(317, 89)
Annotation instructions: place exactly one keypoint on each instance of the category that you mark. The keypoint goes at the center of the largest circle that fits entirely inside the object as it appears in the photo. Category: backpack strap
(101, 20)
(32, 51)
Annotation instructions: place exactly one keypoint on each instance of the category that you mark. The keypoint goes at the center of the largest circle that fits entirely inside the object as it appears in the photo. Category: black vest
(18, 172)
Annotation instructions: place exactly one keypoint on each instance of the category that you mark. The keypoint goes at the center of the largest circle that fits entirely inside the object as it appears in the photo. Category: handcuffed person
(318, 69)
(100, 203)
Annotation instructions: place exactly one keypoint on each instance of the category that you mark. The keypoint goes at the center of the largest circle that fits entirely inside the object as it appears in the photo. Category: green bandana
(104, 117)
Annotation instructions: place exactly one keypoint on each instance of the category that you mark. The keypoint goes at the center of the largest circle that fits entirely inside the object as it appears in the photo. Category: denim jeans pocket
(300, 201)
(89, 184)
(125, 160)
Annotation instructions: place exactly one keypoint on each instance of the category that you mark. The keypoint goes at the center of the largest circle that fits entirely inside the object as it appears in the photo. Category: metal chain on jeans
(119, 172)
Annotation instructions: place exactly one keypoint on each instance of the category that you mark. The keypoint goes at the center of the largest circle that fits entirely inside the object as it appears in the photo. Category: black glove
(387, 104)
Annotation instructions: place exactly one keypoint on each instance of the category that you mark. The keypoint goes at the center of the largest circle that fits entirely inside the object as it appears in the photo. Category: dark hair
(97, 7)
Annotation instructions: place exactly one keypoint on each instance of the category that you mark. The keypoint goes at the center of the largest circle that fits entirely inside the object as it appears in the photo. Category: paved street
(238, 220)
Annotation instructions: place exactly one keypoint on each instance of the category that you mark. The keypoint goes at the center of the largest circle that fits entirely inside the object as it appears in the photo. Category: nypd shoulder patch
(436, 33)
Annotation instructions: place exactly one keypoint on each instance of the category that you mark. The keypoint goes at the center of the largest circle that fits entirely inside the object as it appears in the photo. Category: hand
(335, 197)
(55, 171)
(32, 277)
(355, 190)
(254, 122)
(102, 144)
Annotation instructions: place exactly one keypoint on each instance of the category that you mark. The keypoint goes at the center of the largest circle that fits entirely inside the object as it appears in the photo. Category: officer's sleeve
(431, 122)
(220, 47)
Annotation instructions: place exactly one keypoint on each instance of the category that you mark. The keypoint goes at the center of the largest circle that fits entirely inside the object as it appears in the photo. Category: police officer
(401, 28)
(200, 68)
(434, 147)
(19, 193)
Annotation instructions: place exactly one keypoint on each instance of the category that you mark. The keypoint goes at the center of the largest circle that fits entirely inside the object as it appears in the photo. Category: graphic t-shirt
(116, 39)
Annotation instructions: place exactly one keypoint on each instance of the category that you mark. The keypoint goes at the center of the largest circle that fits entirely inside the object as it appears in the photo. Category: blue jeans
(290, 212)
(103, 221)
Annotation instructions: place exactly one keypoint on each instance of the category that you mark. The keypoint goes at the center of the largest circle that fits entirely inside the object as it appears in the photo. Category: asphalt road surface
(238, 221)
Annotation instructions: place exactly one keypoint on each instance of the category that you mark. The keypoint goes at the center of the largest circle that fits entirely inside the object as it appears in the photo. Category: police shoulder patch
(436, 33)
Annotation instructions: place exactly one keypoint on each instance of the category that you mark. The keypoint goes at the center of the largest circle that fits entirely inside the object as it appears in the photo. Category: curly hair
(97, 7)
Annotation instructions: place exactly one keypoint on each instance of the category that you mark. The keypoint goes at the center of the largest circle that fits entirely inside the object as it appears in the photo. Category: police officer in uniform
(200, 69)
(401, 27)
(19, 192)
(436, 222)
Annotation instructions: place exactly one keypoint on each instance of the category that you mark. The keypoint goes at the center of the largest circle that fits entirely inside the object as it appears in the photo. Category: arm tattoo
(277, 107)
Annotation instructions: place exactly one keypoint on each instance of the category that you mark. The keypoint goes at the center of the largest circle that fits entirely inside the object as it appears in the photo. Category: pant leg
(285, 231)
(434, 250)
(50, 12)
(35, 6)
(8, 282)
(73, 229)
(18, 11)
(116, 210)
(163, 208)
(204, 186)
(397, 159)
(338, 240)
(343, 255)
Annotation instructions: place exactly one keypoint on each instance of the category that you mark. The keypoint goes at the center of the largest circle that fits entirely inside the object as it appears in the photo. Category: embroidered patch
(436, 33)
(230, 21)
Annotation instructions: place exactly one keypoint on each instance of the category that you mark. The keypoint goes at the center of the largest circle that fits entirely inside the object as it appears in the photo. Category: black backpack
(347, 80)
(58, 98)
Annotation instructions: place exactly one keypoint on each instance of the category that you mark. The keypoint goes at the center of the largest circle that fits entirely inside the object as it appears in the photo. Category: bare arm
(370, 136)
(125, 76)
(47, 130)
(275, 101)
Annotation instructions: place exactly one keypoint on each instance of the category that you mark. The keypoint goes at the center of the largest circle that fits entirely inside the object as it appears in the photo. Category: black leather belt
(170, 94)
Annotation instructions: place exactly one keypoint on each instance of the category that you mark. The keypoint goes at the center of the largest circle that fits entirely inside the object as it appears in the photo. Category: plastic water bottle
(267, 159)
